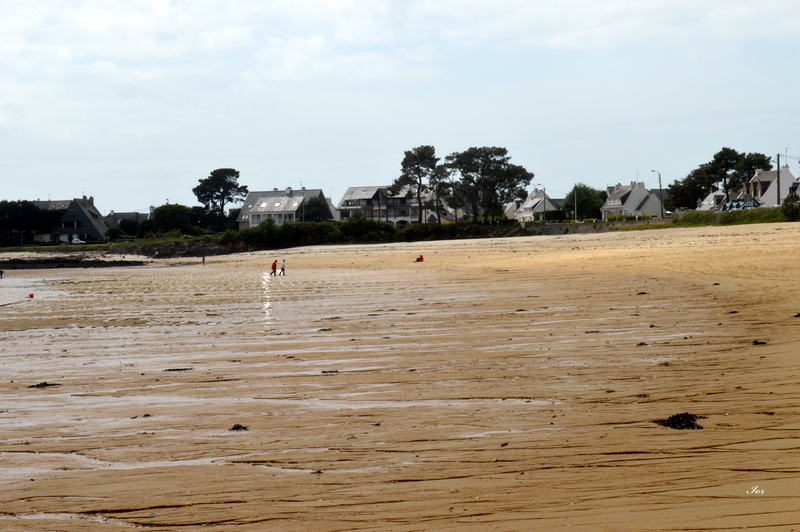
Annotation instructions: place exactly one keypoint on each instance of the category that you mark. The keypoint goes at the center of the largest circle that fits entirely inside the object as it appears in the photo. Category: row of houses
(402, 208)
(374, 202)
(84, 221)
(628, 200)
(767, 188)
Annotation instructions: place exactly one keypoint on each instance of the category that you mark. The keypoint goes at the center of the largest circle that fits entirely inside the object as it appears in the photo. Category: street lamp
(660, 192)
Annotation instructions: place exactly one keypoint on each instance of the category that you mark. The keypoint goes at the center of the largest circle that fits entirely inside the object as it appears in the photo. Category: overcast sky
(134, 101)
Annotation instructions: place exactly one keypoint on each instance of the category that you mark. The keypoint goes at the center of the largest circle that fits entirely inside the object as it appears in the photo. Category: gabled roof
(52, 205)
(620, 192)
(114, 218)
(276, 200)
(362, 193)
(661, 193)
(712, 201)
(772, 175)
(410, 191)
(83, 209)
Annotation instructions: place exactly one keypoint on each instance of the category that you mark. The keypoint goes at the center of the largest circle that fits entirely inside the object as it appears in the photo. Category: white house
(763, 186)
(536, 202)
(631, 200)
(714, 201)
(280, 205)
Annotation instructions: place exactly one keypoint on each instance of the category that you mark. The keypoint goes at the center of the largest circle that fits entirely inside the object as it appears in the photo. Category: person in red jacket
(420, 259)
(274, 267)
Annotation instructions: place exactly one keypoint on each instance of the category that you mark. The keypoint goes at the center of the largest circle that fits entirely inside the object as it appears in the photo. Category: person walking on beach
(274, 267)
(283, 268)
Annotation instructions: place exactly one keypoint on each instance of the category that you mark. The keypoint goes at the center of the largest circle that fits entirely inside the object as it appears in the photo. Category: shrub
(699, 218)
(791, 207)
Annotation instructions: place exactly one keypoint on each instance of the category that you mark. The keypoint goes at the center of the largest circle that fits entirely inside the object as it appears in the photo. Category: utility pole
(544, 203)
(660, 192)
(576, 204)
(779, 179)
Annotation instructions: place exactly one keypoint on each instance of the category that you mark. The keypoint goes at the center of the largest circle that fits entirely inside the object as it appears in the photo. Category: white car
(77, 241)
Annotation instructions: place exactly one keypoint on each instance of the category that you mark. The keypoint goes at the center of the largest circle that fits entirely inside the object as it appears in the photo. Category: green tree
(447, 191)
(417, 167)
(114, 233)
(505, 186)
(590, 201)
(316, 209)
(746, 168)
(202, 217)
(171, 217)
(791, 206)
(486, 179)
(685, 193)
(146, 228)
(219, 189)
(129, 226)
(230, 220)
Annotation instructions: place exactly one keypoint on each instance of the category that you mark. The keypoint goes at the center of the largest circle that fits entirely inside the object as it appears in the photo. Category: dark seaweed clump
(685, 421)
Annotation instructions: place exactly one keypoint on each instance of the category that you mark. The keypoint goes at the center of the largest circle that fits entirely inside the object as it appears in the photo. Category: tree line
(476, 183)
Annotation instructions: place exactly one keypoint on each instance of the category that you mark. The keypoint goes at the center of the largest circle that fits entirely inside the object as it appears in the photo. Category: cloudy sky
(134, 101)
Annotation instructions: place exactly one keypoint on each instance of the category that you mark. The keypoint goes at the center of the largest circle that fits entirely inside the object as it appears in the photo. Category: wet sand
(499, 385)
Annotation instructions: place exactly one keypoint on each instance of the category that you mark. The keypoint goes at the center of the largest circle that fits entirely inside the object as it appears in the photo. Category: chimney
(289, 191)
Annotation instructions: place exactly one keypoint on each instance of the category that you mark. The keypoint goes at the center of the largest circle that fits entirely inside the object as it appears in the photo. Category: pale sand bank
(500, 385)
(21, 289)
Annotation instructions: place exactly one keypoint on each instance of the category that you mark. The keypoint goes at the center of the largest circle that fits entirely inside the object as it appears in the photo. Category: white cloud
(197, 81)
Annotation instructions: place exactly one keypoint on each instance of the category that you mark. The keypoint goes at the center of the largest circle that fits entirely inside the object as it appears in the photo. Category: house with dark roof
(630, 200)
(280, 205)
(372, 202)
(113, 218)
(378, 203)
(82, 220)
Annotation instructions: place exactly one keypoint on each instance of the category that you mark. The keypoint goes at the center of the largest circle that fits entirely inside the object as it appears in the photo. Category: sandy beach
(505, 384)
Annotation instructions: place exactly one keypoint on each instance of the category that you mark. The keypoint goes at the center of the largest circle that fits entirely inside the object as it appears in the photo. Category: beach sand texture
(507, 384)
